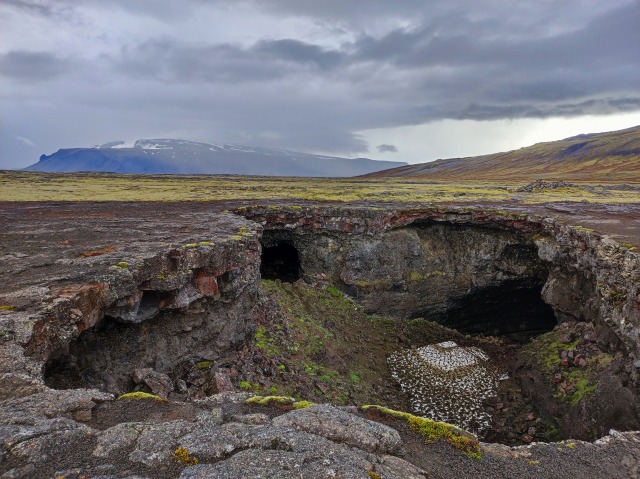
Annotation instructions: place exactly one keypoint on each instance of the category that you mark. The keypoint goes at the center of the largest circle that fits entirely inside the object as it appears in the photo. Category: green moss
(545, 350)
(335, 292)
(303, 404)
(415, 276)
(253, 387)
(204, 364)
(183, 457)
(138, 395)
(583, 388)
(123, 264)
(8, 308)
(435, 431)
(265, 342)
(270, 400)
(205, 243)
(244, 231)
(354, 377)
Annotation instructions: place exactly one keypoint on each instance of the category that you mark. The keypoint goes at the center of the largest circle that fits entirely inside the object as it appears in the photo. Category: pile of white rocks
(447, 382)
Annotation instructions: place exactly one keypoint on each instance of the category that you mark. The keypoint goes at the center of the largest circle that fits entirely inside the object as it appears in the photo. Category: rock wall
(432, 270)
(185, 297)
(419, 261)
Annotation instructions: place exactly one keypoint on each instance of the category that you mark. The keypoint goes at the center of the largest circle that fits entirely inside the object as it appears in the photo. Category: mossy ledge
(270, 401)
(138, 395)
(278, 401)
(434, 431)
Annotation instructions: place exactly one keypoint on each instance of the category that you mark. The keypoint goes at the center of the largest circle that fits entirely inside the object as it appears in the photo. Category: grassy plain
(37, 186)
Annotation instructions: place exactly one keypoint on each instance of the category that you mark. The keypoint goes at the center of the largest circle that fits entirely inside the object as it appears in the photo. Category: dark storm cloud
(350, 10)
(299, 52)
(450, 63)
(384, 148)
(32, 66)
(34, 7)
(601, 58)
(173, 61)
(58, 10)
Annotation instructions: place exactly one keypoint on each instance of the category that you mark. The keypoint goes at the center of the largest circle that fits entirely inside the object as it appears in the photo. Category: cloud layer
(305, 74)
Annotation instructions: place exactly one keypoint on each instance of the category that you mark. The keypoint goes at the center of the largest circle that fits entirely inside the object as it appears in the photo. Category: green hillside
(611, 157)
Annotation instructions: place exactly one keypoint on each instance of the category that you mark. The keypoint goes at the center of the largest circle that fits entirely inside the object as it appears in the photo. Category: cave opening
(513, 308)
(280, 261)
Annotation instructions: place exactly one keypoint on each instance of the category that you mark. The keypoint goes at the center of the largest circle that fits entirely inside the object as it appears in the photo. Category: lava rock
(159, 383)
(332, 423)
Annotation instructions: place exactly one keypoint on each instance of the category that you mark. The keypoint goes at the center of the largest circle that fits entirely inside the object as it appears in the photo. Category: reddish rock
(223, 382)
(206, 283)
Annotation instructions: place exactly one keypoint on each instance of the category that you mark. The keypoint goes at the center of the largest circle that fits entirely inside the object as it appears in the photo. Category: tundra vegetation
(38, 186)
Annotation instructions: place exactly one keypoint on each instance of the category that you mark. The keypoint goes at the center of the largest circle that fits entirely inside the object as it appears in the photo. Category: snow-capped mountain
(157, 156)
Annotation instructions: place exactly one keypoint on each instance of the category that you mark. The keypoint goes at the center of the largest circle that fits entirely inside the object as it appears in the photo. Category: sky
(412, 80)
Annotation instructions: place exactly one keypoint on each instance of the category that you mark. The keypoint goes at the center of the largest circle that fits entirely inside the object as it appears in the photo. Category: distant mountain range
(189, 157)
(611, 157)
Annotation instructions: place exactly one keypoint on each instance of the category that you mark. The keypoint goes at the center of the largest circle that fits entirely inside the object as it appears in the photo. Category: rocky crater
(168, 300)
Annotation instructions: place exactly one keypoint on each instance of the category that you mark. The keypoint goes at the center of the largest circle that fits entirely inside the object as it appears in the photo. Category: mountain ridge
(603, 157)
(175, 156)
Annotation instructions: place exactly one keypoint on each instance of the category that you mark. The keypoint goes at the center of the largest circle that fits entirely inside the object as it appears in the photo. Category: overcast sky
(411, 80)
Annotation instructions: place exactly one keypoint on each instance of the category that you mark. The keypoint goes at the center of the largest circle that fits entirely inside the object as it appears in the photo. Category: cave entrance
(280, 261)
(513, 308)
